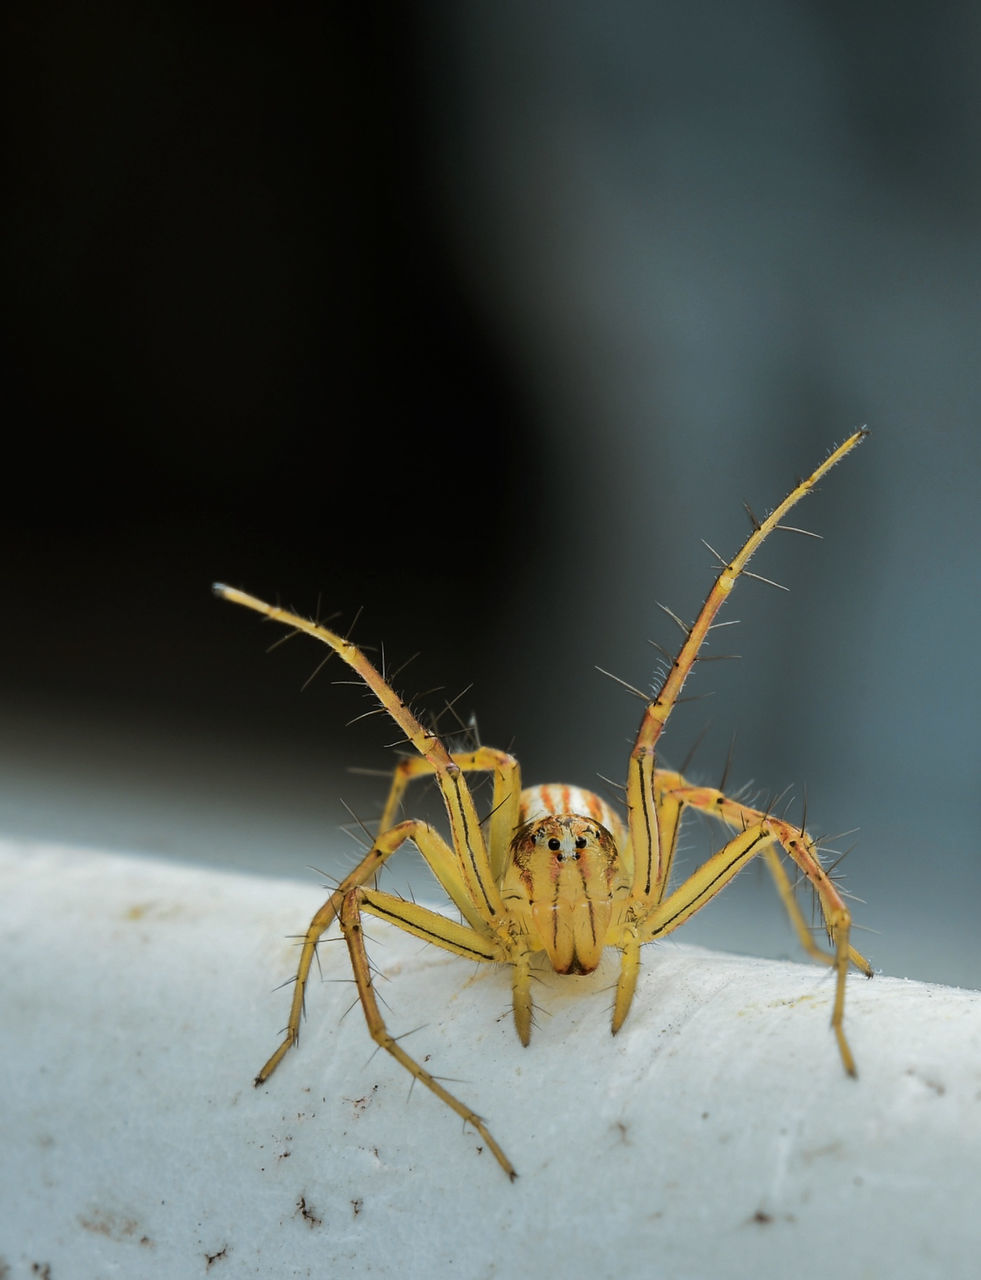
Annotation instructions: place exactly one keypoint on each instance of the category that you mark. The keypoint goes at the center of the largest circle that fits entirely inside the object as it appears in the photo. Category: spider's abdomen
(557, 798)
(565, 879)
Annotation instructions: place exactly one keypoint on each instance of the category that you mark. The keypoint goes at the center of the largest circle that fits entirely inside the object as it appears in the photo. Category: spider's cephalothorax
(553, 869)
(566, 883)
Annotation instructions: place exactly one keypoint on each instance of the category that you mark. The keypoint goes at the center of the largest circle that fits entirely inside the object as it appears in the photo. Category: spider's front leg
(433, 927)
(505, 804)
(443, 865)
(469, 846)
(654, 809)
(652, 863)
(464, 869)
(346, 904)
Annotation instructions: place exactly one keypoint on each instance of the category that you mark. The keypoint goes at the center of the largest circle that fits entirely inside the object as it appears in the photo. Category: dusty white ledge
(715, 1136)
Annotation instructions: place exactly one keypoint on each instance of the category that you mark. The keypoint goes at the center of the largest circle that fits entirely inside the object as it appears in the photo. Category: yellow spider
(553, 868)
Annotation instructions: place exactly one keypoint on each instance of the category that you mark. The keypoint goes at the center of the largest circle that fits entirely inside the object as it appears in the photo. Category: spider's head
(562, 883)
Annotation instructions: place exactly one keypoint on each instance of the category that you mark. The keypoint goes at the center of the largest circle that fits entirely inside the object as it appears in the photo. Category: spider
(554, 868)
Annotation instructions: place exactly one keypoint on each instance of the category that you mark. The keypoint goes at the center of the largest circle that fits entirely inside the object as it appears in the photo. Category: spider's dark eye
(580, 842)
(554, 844)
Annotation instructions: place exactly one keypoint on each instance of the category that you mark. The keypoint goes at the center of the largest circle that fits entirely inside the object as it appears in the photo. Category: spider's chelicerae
(554, 869)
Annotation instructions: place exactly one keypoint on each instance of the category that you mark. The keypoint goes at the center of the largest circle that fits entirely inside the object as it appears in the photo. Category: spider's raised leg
(504, 807)
(651, 867)
(435, 928)
(469, 849)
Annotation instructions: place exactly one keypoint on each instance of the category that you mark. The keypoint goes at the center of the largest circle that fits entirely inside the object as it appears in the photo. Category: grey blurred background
(477, 318)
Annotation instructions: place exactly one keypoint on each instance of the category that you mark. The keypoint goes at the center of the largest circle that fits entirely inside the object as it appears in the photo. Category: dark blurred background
(476, 318)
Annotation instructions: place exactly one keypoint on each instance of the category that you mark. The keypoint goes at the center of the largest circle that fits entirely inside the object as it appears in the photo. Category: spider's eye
(554, 844)
(580, 842)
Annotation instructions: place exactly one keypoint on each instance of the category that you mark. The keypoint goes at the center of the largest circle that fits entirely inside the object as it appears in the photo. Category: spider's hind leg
(787, 896)
(673, 791)
(761, 833)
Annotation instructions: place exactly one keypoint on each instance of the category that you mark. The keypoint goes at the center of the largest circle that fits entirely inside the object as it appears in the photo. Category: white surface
(716, 1136)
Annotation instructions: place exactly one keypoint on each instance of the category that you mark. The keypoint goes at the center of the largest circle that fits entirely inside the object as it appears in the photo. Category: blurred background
(475, 318)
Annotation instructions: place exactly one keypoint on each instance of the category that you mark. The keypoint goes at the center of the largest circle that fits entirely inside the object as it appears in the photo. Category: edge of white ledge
(715, 1135)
